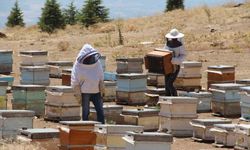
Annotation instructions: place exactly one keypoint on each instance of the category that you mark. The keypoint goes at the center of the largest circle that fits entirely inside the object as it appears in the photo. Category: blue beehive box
(131, 82)
(7, 78)
(109, 76)
(6, 61)
(36, 75)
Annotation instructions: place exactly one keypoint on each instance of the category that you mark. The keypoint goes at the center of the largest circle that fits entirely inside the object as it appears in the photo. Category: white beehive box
(190, 69)
(148, 141)
(110, 136)
(56, 67)
(242, 132)
(154, 79)
(201, 128)
(34, 58)
(224, 135)
(178, 106)
(13, 120)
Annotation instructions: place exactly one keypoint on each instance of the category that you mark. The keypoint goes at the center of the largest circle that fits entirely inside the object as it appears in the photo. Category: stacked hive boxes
(226, 99)
(6, 61)
(46, 137)
(142, 117)
(29, 97)
(189, 77)
(176, 113)
(148, 141)
(13, 120)
(242, 132)
(3, 94)
(109, 91)
(61, 104)
(66, 77)
(204, 99)
(220, 74)
(110, 136)
(56, 68)
(245, 102)
(202, 128)
(77, 135)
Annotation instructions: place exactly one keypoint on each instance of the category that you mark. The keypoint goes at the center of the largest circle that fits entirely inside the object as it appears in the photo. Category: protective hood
(86, 51)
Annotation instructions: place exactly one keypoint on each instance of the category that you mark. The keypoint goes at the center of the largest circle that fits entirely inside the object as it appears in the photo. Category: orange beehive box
(159, 61)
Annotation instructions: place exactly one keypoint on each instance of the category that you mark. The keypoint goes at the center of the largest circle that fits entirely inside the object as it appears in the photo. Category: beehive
(47, 138)
(110, 76)
(245, 102)
(242, 132)
(29, 97)
(204, 99)
(13, 120)
(142, 117)
(66, 77)
(157, 80)
(159, 61)
(131, 82)
(77, 134)
(3, 94)
(6, 61)
(56, 68)
(224, 135)
(36, 75)
(190, 69)
(33, 58)
(201, 128)
(148, 141)
(9, 79)
(129, 65)
(109, 91)
(110, 136)
(131, 98)
(111, 112)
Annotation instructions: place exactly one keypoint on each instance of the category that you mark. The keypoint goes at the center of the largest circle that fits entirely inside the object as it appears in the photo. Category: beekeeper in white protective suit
(87, 75)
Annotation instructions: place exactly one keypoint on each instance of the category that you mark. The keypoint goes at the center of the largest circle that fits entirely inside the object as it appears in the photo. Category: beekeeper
(87, 76)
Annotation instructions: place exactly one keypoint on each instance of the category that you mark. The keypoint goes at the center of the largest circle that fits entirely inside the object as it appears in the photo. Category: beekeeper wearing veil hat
(174, 44)
(87, 76)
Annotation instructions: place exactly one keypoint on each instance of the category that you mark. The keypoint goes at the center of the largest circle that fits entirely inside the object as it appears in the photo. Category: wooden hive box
(29, 97)
(177, 126)
(201, 128)
(245, 102)
(9, 79)
(242, 132)
(6, 61)
(224, 135)
(46, 138)
(103, 62)
(190, 69)
(56, 68)
(148, 141)
(182, 82)
(33, 58)
(37, 75)
(77, 135)
(13, 120)
(146, 117)
(66, 77)
(226, 109)
(131, 82)
(112, 113)
(204, 100)
(129, 65)
(155, 79)
(109, 91)
(131, 98)
(159, 61)
(110, 136)
(245, 82)
(110, 76)
(171, 106)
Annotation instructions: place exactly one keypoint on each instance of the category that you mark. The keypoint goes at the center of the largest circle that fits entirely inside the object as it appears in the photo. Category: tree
(93, 12)
(51, 18)
(16, 17)
(174, 4)
(70, 14)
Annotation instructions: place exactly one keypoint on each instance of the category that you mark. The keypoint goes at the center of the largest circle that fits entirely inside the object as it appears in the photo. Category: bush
(174, 4)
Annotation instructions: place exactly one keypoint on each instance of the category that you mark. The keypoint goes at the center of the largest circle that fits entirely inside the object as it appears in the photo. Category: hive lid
(17, 113)
(228, 127)
(191, 64)
(221, 67)
(243, 81)
(34, 52)
(130, 60)
(60, 63)
(150, 137)
(211, 121)
(141, 112)
(69, 70)
(34, 68)
(29, 87)
(117, 129)
(200, 94)
(247, 89)
(79, 123)
(226, 86)
(110, 107)
(6, 51)
(40, 133)
(64, 89)
(177, 99)
(110, 83)
(131, 76)
(3, 83)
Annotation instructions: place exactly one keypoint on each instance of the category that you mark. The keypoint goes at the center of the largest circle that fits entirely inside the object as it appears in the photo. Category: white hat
(174, 34)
